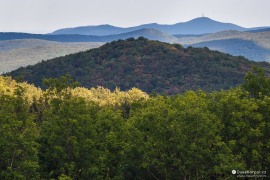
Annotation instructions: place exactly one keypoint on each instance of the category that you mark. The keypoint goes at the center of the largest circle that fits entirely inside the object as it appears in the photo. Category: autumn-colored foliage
(152, 66)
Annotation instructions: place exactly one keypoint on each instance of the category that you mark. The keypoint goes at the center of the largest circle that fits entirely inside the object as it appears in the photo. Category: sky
(44, 16)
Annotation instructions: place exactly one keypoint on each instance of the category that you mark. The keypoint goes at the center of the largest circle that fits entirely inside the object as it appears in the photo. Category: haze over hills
(238, 47)
(23, 52)
(99, 30)
(200, 25)
(149, 65)
(148, 33)
(259, 29)
(254, 45)
(152, 34)
(22, 49)
(260, 37)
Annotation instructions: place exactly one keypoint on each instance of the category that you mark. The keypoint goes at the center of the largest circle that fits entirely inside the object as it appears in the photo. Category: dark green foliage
(59, 84)
(18, 142)
(148, 65)
(81, 141)
(244, 126)
(257, 83)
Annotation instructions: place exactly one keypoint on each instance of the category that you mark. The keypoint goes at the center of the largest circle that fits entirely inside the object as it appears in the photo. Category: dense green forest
(69, 132)
(152, 66)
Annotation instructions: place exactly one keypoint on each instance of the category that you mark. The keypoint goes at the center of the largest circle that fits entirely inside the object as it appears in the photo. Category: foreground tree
(173, 137)
(18, 142)
(244, 126)
(257, 83)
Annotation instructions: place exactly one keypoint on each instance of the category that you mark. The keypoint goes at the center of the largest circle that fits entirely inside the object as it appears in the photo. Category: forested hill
(151, 66)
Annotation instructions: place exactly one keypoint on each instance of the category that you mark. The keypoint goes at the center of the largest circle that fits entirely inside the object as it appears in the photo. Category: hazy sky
(42, 16)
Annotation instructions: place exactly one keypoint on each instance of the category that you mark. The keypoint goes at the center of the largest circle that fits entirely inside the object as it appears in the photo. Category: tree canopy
(70, 132)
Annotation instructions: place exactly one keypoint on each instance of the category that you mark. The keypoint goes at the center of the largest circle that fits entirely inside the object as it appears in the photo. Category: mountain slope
(147, 33)
(200, 25)
(149, 65)
(255, 45)
(151, 34)
(23, 52)
(238, 47)
(261, 38)
(258, 29)
(57, 38)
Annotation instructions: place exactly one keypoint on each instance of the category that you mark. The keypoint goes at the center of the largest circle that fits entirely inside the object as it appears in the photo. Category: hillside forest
(69, 132)
(151, 66)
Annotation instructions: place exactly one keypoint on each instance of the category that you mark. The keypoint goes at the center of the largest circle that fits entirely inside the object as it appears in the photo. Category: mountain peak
(203, 20)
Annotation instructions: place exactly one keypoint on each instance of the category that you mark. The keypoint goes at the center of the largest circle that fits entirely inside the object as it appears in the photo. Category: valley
(24, 52)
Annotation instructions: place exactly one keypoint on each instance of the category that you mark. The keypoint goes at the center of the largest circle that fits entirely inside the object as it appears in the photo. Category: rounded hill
(151, 66)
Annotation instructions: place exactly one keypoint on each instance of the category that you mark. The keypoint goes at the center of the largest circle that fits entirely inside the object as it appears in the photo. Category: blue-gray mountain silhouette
(152, 34)
(200, 25)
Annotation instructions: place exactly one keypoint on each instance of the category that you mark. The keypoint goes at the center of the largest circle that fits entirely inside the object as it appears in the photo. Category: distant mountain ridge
(199, 25)
(255, 30)
(238, 47)
(254, 45)
(152, 34)
(99, 30)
